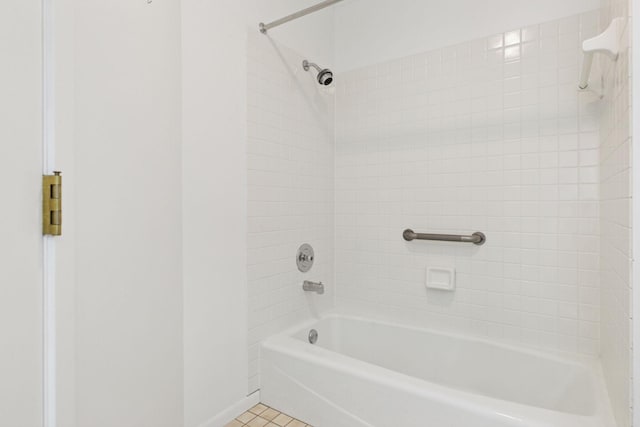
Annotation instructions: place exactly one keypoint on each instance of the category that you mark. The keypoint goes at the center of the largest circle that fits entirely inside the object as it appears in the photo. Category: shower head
(325, 75)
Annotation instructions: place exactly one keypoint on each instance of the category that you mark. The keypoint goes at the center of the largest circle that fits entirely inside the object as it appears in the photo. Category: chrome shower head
(325, 75)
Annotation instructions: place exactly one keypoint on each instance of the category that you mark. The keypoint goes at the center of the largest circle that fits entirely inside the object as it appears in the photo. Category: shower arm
(306, 64)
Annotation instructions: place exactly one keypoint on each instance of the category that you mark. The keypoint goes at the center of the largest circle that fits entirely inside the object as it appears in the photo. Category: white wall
(290, 166)
(214, 207)
(474, 137)
(128, 214)
(214, 44)
(371, 31)
(20, 228)
(290, 177)
(615, 199)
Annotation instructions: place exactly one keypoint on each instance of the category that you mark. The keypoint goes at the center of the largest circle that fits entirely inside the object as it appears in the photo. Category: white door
(118, 262)
(21, 258)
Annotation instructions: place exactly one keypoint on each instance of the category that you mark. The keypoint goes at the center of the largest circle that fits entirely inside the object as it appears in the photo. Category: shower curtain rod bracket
(608, 42)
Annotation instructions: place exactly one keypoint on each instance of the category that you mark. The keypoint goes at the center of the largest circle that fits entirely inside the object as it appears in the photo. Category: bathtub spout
(313, 287)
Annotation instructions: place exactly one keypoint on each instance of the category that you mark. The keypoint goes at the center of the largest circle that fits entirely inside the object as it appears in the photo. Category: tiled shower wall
(492, 136)
(615, 218)
(291, 179)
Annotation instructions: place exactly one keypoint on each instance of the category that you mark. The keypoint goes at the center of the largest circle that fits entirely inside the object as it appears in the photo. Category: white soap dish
(443, 279)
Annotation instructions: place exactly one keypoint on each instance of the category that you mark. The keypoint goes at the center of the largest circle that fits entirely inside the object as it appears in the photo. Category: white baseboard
(233, 411)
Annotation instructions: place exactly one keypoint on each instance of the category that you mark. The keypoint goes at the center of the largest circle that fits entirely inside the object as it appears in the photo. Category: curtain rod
(265, 27)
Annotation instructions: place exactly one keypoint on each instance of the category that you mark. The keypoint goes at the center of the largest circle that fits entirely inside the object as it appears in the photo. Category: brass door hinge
(52, 204)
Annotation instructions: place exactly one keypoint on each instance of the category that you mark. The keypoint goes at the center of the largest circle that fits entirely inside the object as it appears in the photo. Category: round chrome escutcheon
(304, 257)
(313, 336)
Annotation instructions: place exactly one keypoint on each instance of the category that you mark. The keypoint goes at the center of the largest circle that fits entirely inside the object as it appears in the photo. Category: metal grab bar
(476, 238)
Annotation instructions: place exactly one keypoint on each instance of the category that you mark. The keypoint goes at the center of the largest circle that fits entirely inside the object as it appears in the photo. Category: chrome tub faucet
(310, 286)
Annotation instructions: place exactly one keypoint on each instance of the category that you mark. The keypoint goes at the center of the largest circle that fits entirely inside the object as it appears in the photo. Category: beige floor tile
(257, 422)
(262, 415)
(259, 408)
(246, 417)
(282, 420)
(270, 414)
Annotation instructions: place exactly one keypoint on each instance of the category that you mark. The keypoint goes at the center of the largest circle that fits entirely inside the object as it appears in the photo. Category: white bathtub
(368, 373)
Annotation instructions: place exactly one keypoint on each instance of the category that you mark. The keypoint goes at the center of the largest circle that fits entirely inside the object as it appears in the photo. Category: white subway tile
(508, 151)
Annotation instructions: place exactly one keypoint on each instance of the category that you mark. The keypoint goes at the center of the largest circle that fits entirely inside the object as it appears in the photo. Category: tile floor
(264, 416)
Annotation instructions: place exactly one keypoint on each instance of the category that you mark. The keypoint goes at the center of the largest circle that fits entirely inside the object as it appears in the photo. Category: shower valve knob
(305, 257)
